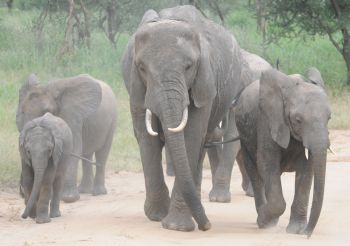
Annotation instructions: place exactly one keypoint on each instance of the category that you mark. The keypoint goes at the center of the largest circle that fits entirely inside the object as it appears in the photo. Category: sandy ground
(118, 218)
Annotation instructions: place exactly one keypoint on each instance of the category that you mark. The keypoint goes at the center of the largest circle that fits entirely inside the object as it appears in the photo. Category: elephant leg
(269, 213)
(222, 178)
(179, 217)
(303, 180)
(70, 189)
(169, 164)
(246, 184)
(101, 159)
(55, 201)
(214, 155)
(256, 180)
(42, 207)
(157, 201)
(86, 183)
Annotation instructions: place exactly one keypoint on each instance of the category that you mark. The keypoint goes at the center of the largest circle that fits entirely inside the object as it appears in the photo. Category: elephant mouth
(179, 128)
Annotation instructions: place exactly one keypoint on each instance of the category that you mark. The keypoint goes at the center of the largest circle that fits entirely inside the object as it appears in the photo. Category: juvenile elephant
(277, 119)
(182, 72)
(222, 157)
(88, 106)
(45, 144)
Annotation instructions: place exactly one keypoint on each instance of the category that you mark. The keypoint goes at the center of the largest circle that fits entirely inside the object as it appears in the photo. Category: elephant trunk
(318, 159)
(38, 178)
(170, 115)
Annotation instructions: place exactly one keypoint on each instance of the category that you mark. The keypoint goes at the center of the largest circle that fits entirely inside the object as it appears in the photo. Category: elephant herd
(192, 91)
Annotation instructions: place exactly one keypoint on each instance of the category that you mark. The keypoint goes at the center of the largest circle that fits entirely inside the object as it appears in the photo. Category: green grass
(20, 55)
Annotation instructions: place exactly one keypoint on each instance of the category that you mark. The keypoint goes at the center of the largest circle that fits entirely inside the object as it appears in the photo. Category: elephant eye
(298, 119)
(188, 66)
(141, 67)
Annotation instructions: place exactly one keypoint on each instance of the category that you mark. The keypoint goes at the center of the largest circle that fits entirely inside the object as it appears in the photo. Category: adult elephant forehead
(166, 29)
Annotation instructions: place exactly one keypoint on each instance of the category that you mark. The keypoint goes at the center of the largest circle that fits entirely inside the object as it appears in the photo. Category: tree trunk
(261, 21)
(86, 23)
(9, 4)
(68, 37)
(39, 26)
(346, 56)
(346, 38)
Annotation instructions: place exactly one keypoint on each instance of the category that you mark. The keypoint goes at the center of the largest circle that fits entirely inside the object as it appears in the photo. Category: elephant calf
(278, 118)
(45, 144)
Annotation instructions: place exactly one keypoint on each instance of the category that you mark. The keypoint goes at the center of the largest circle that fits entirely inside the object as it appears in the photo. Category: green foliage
(312, 16)
(288, 19)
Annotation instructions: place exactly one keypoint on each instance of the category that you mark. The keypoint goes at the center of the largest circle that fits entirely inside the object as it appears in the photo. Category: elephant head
(299, 110)
(170, 68)
(41, 145)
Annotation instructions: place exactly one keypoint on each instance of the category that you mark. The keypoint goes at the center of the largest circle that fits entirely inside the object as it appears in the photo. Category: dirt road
(118, 218)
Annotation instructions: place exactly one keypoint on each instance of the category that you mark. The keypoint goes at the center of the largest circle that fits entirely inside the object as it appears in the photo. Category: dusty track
(118, 218)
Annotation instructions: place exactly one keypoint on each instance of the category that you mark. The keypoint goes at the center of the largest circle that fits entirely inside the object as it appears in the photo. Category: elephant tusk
(148, 119)
(331, 150)
(183, 122)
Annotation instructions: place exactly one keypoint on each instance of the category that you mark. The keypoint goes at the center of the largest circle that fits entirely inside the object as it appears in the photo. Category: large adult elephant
(182, 72)
(278, 118)
(89, 108)
(222, 157)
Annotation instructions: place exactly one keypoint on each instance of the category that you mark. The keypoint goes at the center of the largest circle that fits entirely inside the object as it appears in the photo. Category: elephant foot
(55, 213)
(264, 222)
(99, 190)
(220, 194)
(179, 221)
(249, 190)
(70, 195)
(85, 187)
(32, 213)
(42, 219)
(157, 210)
(296, 227)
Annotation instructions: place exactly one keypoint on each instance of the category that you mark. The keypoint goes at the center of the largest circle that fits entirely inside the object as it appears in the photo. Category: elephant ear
(272, 87)
(203, 88)
(149, 16)
(27, 127)
(136, 86)
(315, 77)
(57, 150)
(30, 82)
(77, 97)
(58, 130)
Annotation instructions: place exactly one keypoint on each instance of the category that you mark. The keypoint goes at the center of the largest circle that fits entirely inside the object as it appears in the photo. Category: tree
(323, 17)
(118, 16)
(9, 4)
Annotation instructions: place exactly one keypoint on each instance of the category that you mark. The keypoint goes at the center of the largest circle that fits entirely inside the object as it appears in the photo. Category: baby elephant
(278, 118)
(44, 144)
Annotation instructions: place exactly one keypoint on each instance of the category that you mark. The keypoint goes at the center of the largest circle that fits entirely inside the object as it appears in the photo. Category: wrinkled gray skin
(44, 144)
(89, 108)
(279, 118)
(222, 157)
(178, 59)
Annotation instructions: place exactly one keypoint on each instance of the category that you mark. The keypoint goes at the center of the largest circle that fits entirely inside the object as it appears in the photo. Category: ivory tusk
(148, 119)
(183, 122)
(331, 150)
